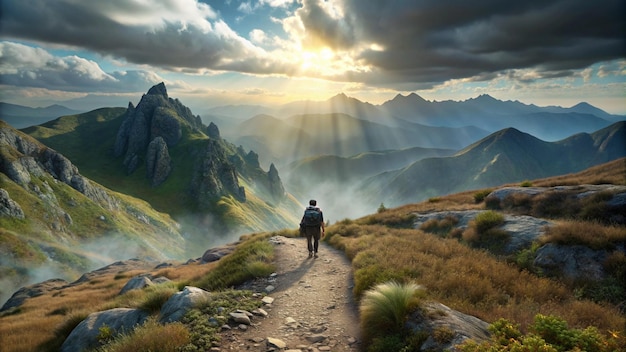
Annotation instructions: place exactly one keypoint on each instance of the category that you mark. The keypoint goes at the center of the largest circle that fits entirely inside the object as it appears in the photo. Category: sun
(317, 61)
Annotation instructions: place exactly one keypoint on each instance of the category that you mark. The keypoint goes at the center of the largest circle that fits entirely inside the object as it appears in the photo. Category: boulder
(24, 293)
(181, 302)
(215, 254)
(435, 316)
(573, 262)
(136, 283)
(119, 320)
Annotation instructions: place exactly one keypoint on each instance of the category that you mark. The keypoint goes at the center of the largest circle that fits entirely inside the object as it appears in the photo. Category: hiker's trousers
(313, 234)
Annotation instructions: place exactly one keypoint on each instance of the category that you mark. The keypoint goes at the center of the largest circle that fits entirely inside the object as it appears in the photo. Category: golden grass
(151, 337)
(39, 317)
(590, 234)
(613, 172)
(385, 307)
(472, 281)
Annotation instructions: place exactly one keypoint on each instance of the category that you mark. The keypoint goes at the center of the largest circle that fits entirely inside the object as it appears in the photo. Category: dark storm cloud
(437, 40)
(418, 42)
(169, 33)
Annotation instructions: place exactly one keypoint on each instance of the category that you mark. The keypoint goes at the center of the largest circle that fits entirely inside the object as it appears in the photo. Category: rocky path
(312, 307)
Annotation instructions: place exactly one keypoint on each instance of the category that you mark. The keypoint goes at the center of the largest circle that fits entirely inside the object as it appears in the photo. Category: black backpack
(312, 217)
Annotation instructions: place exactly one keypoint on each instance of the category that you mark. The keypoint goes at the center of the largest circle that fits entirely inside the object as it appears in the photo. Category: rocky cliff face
(151, 130)
(156, 117)
(23, 159)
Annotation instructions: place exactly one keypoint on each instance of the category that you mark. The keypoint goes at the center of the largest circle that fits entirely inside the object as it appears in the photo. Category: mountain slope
(202, 180)
(56, 222)
(332, 168)
(503, 157)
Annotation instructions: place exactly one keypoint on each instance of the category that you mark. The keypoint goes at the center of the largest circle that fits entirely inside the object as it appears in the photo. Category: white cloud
(26, 66)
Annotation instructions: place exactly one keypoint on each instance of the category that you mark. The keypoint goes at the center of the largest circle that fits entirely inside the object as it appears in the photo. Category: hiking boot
(315, 256)
(310, 254)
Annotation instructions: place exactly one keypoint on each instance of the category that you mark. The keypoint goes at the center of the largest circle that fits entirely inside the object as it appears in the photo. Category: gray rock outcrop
(35, 290)
(213, 131)
(9, 207)
(436, 316)
(158, 161)
(215, 254)
(176, 307)
(524, 230)
(156, 116)
(214, 176)
(137, 283)
(32, 159)
(276, 188)
(85, 335)
(572, 262)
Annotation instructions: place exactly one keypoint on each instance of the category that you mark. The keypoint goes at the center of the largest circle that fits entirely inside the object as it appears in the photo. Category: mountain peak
(339, 97)
(485, 97)
(158, 89)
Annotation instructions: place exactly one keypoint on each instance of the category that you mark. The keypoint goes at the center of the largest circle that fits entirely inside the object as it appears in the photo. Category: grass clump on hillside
(151, 336)
(483, 231)
(445, 227)
(252, 259)
(384, 310)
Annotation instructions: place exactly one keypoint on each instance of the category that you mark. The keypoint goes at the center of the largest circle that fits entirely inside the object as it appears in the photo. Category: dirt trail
(313, 308)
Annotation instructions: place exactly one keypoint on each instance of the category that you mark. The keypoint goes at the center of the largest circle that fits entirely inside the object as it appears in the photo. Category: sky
(91, 53)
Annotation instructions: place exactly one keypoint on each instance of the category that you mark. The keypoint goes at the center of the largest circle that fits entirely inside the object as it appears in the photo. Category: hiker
(312, 226)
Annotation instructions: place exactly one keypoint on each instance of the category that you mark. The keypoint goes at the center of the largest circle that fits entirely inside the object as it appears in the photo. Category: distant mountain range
(303, 129)
(506, 156)
(20, 116)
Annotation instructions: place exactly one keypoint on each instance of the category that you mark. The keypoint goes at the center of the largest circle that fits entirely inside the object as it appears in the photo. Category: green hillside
(88, 140)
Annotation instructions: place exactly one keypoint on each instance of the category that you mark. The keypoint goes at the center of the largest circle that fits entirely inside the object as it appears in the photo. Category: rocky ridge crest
(158, 123)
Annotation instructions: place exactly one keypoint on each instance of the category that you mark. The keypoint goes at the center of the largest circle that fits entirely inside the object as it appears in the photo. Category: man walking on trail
(312, 225)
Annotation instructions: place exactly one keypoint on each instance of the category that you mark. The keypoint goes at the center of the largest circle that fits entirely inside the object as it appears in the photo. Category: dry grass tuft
(585, 233)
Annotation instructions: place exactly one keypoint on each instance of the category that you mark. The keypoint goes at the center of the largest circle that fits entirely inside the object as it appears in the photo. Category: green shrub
(547, 334)
(384, 309)
(391, 342)
(526, 184)
(228, 272)
(487, 220)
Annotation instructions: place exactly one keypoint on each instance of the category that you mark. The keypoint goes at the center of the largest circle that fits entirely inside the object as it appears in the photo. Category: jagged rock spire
(158, 89)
